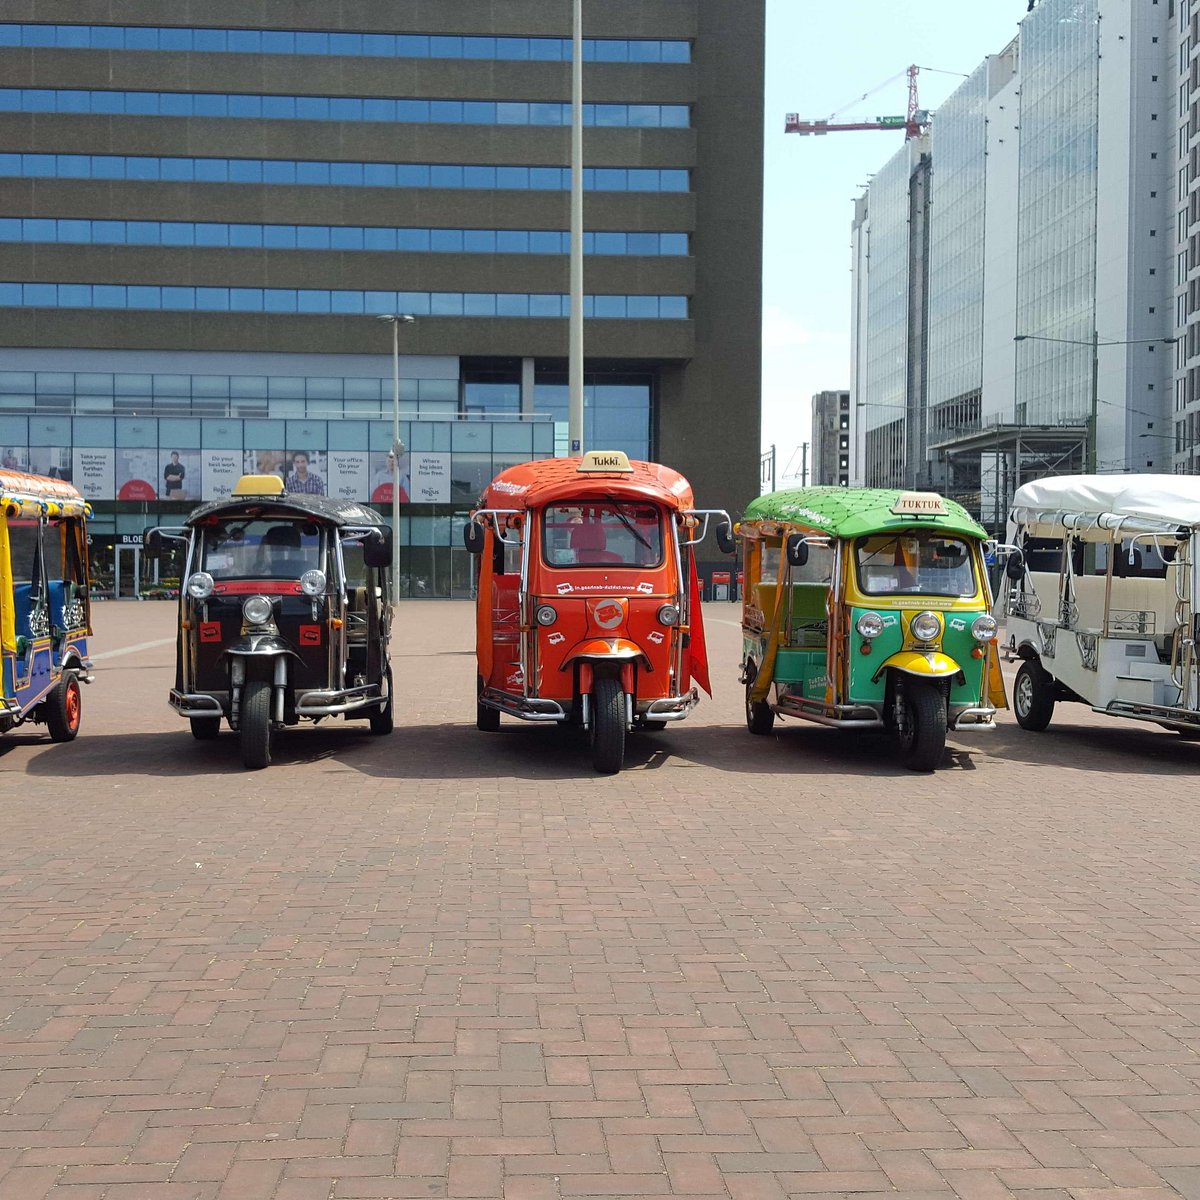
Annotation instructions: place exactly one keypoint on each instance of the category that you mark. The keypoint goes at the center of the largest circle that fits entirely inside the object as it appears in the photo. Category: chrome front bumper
(527, 708)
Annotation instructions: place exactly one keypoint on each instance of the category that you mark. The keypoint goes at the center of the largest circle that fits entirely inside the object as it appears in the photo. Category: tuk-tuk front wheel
(1033, 699)
(920, 713)
(760, 716)
(608, 726)
(254, 724)
(204, 729)
(64, 709)
(382, 718)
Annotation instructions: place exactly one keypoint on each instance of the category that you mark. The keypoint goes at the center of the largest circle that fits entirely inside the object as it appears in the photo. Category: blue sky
(820, 58)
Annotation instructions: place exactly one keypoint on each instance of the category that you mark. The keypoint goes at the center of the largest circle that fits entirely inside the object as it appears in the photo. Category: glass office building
(199, 224)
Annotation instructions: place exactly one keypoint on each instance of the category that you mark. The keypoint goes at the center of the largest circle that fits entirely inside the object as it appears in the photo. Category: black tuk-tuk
(283, 614)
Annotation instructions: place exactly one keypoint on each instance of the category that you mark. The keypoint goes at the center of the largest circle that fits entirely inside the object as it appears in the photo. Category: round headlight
(257, 610)
(983, 629)
(926, 627)
(200, 585)
(546, 614)
(312, 583)
(869, 625)
(668, 614)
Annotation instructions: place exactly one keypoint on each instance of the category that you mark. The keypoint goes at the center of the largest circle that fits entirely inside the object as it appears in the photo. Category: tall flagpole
(575, 354)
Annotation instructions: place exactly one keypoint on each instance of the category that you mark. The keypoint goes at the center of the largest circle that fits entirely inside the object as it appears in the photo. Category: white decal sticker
(958, 623)
(646, 589)
(564, 588)
(655, 637)
(555, 638)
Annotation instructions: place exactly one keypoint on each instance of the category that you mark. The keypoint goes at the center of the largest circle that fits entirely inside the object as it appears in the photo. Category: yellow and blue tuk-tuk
(44, 603)
(868, 609)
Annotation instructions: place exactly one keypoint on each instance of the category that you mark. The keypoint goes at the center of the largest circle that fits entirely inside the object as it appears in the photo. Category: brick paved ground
(450, 964)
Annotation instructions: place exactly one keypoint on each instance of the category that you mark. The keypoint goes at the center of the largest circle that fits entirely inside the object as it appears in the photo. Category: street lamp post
(1094, 406)
(396, 320)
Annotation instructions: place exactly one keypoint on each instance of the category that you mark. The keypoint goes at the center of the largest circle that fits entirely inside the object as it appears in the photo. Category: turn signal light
(978, 652)
(865, 648)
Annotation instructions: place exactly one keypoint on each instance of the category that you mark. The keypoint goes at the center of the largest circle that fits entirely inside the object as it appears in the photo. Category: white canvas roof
(1129, 503)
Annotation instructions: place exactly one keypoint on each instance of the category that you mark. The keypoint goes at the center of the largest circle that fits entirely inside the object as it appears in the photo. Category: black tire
(64, 709)
(486, 718)
(1033, 700)
(920, 724)
(608, 726)
(205, 729)
(760, 716)
(382, 718)
(254, 724)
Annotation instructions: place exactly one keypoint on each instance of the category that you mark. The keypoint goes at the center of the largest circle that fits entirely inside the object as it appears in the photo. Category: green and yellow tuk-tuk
(868, 609)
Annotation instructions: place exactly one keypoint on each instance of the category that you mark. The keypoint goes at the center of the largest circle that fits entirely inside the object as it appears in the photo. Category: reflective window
(290, 300)
(370, 45)
(339, 174)
(337, 108)
(243, 549)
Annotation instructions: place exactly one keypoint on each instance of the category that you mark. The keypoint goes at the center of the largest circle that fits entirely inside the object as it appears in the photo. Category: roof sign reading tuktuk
(606, 461)
(919, 504)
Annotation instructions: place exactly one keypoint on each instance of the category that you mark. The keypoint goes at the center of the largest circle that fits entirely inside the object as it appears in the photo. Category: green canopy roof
(853, 512)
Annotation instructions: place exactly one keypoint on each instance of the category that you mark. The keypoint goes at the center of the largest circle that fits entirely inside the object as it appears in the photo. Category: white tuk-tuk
(1100, 597)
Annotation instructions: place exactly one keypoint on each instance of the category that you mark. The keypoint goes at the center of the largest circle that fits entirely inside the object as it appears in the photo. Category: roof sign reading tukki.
(606, 461)
(919, 504)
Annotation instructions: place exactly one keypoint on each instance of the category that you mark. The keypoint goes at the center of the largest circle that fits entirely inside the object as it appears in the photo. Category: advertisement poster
(430, 478)
(305, 472)
(348, 474)
(221, 471)
(94, 473)
(179, 474)
(381, 479)
(136, 470)
(14, 458)
(55, 461)
(264, 462)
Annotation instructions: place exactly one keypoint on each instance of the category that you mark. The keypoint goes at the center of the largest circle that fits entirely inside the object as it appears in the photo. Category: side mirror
(797, 550)
(377, 550)
(1014, 565)
(474, 536)
(725, 540)
(152, 544)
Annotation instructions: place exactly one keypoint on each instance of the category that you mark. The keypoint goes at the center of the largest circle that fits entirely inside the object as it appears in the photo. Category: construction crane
(914, 123)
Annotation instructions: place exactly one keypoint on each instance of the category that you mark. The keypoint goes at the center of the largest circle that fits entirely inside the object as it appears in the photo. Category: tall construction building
(1029, 245)
(204, 209)
(831, 438)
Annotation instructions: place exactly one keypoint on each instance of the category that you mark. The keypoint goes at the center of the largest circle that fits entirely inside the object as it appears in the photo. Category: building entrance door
(127, 567)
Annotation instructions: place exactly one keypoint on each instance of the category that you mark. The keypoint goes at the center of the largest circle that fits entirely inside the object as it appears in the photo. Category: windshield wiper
(626, 521)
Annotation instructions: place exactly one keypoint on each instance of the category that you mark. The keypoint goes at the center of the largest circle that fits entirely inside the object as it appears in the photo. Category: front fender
(925, 664)
(263, 645)
(606, 650)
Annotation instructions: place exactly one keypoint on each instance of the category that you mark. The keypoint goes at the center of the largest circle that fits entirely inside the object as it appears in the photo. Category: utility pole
(575, 324)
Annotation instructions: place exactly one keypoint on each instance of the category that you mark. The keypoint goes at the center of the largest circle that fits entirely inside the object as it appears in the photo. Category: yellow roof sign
(919, 504)
(259, 485)
(606, 460)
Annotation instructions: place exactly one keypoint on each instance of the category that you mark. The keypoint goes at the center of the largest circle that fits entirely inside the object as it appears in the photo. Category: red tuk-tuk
(588, 608)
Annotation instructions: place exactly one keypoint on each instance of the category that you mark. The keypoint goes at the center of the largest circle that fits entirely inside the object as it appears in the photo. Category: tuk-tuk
(45, 609)
(868, 609)
(1102, 577)
(588, 603)
(283, 614)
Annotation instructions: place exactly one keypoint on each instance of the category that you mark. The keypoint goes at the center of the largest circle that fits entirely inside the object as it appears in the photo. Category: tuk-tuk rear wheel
(486, 718)
(382, 718)
(760, 716)
(64, 708)
(1033, 699)
(920, 724)
(608, 726)
(254, 724)
(204, 729)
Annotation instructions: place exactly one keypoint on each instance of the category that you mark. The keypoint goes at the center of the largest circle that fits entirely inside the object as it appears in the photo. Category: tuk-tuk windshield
(912, 563)
(247, 549)
(602, 534)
